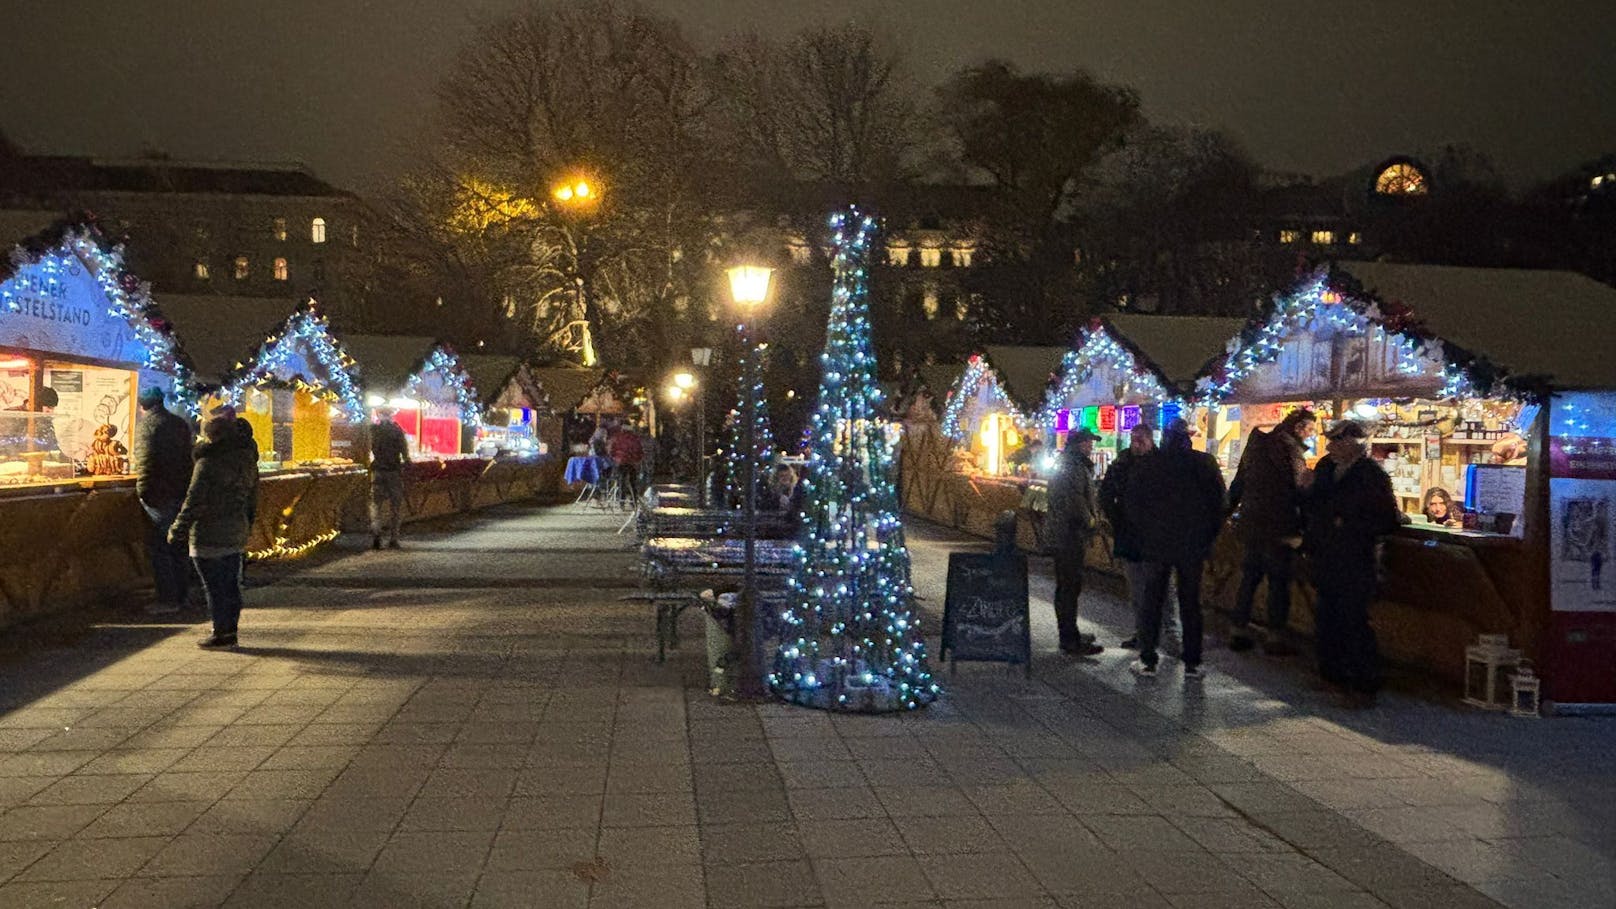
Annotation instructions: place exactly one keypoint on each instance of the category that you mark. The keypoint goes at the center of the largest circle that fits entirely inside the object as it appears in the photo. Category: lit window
(801, 253)
(1290, 236)
(279, 230)
(280, 269)
(897, 254)
(317, 230)
(241, 268)
(931, 256)
(1401, 179)
(962, 256)
(201, 270)
(1323, 237)
(1354, 238)
(929, 304)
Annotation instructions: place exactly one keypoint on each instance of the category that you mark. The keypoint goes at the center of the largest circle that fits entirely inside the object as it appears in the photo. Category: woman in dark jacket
(214, 521)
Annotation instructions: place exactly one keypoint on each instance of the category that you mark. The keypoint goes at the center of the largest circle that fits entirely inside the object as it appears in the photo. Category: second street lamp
(700, 357)
(749, 285)
(578, 199)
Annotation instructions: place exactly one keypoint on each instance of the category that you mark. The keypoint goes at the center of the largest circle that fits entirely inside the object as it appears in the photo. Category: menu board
(985, 609)
(1496, 489)
(89, 397)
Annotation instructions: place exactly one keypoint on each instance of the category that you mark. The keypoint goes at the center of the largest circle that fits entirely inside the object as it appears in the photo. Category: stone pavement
(476, 721)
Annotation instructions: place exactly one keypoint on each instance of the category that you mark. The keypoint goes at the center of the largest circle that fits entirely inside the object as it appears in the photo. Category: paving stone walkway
(477, 721)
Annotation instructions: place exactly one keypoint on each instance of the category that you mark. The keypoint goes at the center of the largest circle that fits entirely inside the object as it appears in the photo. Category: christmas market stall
(78, 340)
(292, 380)
(1454, 369)
(988, 450)
(561, 391)
(511, 401)
(1125, 371)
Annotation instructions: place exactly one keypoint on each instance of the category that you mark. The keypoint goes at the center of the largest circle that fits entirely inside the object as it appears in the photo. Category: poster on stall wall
(87, 398)
(1582, 502)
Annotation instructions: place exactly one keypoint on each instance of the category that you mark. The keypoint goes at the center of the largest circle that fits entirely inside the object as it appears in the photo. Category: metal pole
(701, 443)
(749, 682)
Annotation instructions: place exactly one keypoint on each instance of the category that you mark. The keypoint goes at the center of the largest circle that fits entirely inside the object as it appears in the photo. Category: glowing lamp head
(684, 381)
(749, 284)
(563, 193)
(675, 393)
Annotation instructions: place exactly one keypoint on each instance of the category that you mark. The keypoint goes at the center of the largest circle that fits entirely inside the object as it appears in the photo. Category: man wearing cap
(389, 452)
(1348, 507)
(1070, 523)
(162, 456)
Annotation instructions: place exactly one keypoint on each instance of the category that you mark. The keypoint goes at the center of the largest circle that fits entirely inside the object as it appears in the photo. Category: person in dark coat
(213, 521)
(389, 452)
(1266, 493)
(1174, 501)
(1067, 529)
(1349, 506)
(162, 456)
(1124, 545)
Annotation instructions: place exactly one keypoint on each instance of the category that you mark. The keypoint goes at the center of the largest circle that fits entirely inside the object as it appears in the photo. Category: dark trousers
(386, 491)
(221, 578)
(1152, 600)
(171, 566)
(1348, 653)
(1068, 587)
(1273, 561)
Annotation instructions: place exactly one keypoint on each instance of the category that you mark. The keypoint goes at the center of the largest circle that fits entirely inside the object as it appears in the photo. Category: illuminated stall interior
(284, 371)
(1127, 370)
(511, 402)
(1425, 354)
(424, 381)
(986, 411)
(560, 390)
(77, 342)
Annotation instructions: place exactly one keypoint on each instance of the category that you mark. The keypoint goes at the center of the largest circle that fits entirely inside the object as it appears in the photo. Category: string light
(850, 639)
(1099, 354)
(336, 377)
(59, 253)
(442, 360)
(980, 390)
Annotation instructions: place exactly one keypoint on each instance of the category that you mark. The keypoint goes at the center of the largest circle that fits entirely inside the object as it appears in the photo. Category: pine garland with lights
(850, 636)
(339, 382)
(763, 435)
(979, 378)
(1103, 347)
(442, 360)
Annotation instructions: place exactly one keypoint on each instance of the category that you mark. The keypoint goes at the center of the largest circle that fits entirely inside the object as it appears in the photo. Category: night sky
(1313, 87)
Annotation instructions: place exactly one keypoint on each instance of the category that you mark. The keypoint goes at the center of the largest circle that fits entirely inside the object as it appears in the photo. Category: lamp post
(700, 357)
(749, 285)
(580, 198)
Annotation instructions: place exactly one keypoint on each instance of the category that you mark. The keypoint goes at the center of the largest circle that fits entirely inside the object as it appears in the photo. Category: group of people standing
(1166, 506)
(202, 499)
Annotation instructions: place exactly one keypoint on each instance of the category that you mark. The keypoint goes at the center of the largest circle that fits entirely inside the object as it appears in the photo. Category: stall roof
(217, 332)
(566, 386)
(1532, 323)
(1025, 371)
(490, 373)
(386, 362)
(1180, 347)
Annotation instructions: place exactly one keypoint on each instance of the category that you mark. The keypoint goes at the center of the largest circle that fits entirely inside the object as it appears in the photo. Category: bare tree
(832, 104)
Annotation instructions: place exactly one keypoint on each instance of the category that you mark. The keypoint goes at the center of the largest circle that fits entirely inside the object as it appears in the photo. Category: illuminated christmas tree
(763, 450)
(850, 639)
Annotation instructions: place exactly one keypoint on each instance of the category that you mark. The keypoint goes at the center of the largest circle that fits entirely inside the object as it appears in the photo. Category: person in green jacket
(213, 520)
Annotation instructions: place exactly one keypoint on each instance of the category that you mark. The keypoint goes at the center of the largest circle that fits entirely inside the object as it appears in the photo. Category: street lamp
(579, 197)
(700, 357)
(749, 285)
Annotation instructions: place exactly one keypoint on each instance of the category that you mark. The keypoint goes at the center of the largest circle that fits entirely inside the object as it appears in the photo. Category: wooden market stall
(284, 371)
(561, 391)
(511, 400)
(1454, 367)
(425, 382)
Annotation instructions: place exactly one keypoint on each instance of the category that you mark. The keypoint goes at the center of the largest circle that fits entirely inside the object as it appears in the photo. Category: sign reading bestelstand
(56, 306)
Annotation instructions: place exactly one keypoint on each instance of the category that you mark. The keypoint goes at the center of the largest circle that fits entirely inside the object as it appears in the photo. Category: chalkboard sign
(985, 611)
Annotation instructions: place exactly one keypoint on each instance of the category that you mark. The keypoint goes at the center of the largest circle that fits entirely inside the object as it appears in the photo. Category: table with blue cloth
(587, 469)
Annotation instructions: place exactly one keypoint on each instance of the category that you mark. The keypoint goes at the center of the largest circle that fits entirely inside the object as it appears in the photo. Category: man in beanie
(389, 452)
(1349, 507)
(162, 456)
(1067, 529)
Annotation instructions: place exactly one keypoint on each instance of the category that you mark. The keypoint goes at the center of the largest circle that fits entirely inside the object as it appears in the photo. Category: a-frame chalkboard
(985, 611)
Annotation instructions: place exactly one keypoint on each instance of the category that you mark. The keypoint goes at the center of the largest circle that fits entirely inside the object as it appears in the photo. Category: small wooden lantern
(1488, 665)
(1526, 687)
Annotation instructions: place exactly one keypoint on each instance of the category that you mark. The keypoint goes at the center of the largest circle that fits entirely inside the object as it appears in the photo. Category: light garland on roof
(447, 365)
(339, 383)
(1316, 309)
(1078, 366)
(978, 379)
(128, 298)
